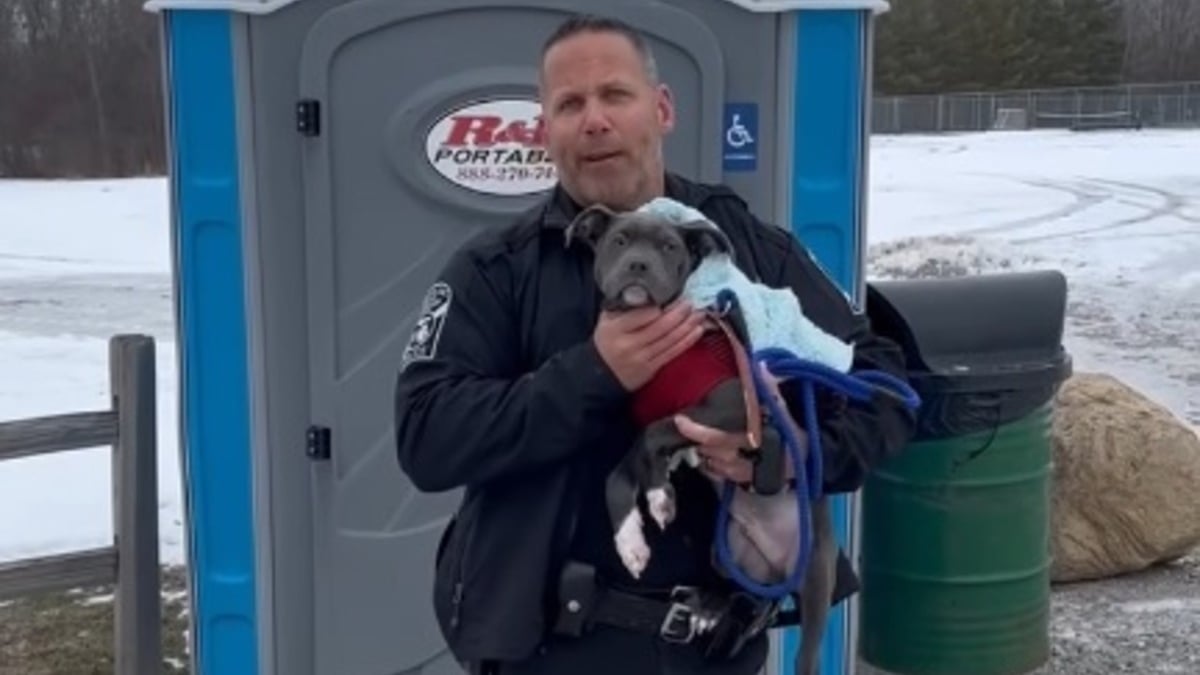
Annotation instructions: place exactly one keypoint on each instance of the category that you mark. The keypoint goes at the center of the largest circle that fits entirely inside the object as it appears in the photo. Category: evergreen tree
(1095, 40)
(905, 47)
(936, 46)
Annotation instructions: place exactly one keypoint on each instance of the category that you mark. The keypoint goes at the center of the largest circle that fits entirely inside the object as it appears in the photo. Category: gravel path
(1145, 624)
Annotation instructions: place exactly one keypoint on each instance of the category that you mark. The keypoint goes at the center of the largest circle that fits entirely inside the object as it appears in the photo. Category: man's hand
(635, 344)
(719, 450)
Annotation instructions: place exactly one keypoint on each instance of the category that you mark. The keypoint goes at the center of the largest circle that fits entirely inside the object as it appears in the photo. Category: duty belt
(718, 623)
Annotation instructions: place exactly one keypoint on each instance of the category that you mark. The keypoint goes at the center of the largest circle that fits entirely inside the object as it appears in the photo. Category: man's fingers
(657, 329)
(709, 440)
(681, 338)
(683, 343)
(668, 323)
(634, 319)
(679, 305)
(719, 456)
(697, 433)
(738, 471)
(663, 322)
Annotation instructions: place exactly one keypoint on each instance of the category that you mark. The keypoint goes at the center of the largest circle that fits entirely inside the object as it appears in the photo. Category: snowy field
(1119, 213)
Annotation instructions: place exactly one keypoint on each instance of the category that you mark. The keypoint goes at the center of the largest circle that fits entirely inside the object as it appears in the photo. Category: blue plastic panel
(212, 334)
(826, 185)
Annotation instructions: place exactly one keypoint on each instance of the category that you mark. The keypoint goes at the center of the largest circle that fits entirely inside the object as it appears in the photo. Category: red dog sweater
(687, 379)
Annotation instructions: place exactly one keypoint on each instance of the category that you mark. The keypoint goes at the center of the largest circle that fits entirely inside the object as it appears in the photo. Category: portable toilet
(326, 156)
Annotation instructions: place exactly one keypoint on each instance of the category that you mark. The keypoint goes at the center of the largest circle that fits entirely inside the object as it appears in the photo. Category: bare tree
(1162, 40)
(81, 89)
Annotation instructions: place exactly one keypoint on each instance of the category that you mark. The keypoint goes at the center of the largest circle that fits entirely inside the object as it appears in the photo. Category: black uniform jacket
(503, 393)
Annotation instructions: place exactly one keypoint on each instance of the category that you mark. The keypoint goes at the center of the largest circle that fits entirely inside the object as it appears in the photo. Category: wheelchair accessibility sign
(740, 137)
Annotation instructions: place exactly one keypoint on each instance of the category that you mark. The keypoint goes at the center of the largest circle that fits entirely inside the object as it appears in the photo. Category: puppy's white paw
(631, 545)
(662, 506)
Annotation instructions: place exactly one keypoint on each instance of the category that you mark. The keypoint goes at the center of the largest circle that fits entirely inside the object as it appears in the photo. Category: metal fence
(1141, 105)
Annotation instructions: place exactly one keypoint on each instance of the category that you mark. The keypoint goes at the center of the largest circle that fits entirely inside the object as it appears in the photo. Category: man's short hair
(592, 23)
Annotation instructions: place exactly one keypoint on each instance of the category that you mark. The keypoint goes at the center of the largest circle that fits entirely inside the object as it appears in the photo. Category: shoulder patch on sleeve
(423, 342)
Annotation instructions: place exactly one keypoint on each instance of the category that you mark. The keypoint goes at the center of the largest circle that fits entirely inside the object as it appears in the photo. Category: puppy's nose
(638, 267)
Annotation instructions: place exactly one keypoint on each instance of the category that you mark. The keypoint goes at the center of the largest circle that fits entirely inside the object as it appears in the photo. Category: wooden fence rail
(131, 563)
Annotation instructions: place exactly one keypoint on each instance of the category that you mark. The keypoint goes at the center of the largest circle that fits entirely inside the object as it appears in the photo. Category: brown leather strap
(749, 392)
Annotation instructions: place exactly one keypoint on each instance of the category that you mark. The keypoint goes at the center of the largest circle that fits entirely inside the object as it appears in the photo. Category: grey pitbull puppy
(644, 260)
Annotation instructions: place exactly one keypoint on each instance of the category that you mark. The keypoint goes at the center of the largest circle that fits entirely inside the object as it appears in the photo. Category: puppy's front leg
(621, 490)
(664, 449)
(645, 468)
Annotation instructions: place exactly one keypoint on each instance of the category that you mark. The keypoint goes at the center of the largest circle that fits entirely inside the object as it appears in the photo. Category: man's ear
(666, 109)
(590, 225)
(704, 239)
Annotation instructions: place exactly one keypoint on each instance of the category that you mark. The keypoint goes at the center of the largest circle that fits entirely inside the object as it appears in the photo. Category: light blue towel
(773, 316)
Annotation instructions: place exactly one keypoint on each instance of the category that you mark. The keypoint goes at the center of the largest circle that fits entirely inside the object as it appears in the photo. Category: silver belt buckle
(679, 625)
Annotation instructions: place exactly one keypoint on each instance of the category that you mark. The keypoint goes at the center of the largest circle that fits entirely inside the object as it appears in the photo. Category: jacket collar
(560, 209)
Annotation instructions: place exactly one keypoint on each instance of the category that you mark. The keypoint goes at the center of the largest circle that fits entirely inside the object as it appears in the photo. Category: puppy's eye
(669, 247)
(620, 240)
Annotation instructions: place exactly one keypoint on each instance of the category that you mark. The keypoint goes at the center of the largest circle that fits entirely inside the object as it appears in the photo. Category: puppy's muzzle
(639, 279)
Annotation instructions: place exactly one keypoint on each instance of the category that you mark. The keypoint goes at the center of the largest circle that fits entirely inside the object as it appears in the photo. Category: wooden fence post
(137, 601)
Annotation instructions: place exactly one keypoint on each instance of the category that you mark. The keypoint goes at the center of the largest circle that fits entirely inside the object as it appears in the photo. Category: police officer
(516, 386)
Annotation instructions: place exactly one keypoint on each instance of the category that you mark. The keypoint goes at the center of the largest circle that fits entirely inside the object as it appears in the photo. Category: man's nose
(595, 121)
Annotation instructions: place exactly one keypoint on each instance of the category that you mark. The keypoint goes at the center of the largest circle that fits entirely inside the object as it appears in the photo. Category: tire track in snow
(87, 305)
(1088, 193)
(1084, 199)
(1170, 204)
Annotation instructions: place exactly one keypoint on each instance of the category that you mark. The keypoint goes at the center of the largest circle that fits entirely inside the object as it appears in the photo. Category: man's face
(605, 120)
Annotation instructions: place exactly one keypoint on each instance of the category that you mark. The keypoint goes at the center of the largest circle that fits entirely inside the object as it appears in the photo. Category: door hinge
(308, 117)
(319, 443)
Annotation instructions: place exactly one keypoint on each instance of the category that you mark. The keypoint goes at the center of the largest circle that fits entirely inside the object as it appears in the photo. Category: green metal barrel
(956, 554)
(955, 530)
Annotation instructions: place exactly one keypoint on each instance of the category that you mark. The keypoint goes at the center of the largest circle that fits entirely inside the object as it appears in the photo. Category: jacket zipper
(456, 602)
(458, 594)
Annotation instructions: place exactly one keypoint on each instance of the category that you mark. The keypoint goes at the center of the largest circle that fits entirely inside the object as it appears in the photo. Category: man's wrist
(596, 372)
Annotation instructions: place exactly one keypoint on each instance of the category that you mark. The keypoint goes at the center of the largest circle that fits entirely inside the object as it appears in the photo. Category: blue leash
(858, 386)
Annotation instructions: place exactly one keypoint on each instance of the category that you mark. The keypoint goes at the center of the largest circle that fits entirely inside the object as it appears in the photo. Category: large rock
(1126, 481)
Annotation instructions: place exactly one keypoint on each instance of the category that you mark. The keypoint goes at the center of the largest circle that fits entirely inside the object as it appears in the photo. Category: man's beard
(623, 191)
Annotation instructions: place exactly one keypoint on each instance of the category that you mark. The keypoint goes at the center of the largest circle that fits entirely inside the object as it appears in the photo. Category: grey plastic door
(411, 160)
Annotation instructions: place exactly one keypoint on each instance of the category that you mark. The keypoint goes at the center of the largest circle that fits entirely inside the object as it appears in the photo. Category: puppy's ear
(590, 225)
(704, 239)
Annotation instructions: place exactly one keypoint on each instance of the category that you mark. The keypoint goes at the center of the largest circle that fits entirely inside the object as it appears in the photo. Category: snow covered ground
(1118, 212)
(80, 261)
